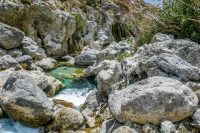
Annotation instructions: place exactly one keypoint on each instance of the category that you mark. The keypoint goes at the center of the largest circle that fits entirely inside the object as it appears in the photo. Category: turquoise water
(10, 126)
(76, 88)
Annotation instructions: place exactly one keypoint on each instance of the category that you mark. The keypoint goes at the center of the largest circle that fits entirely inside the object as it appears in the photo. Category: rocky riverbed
(74, 67)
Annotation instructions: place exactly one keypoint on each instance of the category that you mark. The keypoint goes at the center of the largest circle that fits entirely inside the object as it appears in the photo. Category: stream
(75, 91)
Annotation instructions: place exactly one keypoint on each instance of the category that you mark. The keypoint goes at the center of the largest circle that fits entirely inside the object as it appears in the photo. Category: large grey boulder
(171, 58)
(109, 76)
(31, 48)
(24, 101)
(153, 100)
(87, 58)
(10, 37)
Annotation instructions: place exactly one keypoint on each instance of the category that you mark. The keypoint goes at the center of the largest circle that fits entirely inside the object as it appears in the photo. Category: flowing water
(75, 90)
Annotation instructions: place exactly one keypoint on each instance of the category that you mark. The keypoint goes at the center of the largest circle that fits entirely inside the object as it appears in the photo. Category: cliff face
(63, 26)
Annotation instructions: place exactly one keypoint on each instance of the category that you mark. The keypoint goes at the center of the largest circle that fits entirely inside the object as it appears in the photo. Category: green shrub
(80, 22)
(181, 18)
(123, 55)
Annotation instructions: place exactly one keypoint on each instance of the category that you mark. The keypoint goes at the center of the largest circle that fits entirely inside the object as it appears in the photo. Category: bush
(181, 18)
(123, 55)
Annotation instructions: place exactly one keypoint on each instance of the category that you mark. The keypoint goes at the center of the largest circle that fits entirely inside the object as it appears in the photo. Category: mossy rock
(80, 22)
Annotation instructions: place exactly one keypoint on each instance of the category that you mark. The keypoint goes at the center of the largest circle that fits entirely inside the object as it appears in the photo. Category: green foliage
(80, 22)
(181, 18)
(26, 1)
(92, 3)
(123, 55)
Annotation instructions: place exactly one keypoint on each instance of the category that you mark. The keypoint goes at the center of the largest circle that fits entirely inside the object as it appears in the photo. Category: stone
(15, 53)
(88, 115)
(2, 52)
(48, 84)
(147, 128)
(4, 76)
(196, 118)
(124, 129)
(1, 112)
(25, 61)
(87, 58)
(160, 37)
(109, 126)
(8, 62)
(109, 76)
(23, 101)
(47, 63)
(181, 54)
(92, 100)
(68, 118)
(167, 127)
(31, 48)
(153, 100)
(174, 65)
(10, 37)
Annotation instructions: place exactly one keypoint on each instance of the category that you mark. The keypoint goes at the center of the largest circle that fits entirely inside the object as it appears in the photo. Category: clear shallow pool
(76, 88)
(10, 126)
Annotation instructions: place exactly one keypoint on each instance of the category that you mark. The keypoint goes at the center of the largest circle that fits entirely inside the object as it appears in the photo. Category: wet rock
(31, 48)
(10, 37)
(47, 63)
(68, 118)
(24, 101)
(124, 129)
(167, 127)
(8, 62)
(148, 101)
(1, 112)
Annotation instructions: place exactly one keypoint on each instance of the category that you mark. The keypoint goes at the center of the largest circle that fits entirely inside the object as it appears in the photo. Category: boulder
(1, 112)
(10, 37)
(124, 129)
(68, 118)
(15, 52)
(48, 84)
(31, 48)
(2, 52)
(109, 76)
(47, 63)
(24, 101)
(4, 76)
(87, 58)
(25, 61)
(196, 118)
(160, 37)
(109, 126)
(177, 58)
(148, 128)
(153, 100)
(8, 62)
(167, 127)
